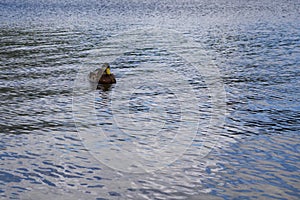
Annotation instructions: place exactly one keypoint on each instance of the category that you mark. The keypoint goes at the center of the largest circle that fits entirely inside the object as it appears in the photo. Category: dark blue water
(206, 104)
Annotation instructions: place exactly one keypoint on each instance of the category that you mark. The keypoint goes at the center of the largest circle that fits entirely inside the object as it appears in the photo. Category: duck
(102, 75)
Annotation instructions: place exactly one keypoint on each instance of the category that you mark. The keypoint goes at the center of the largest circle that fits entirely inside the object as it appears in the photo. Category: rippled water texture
(206, 104)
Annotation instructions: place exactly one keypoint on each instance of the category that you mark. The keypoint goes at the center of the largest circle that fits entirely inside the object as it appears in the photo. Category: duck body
(107, 79)
(102, 75)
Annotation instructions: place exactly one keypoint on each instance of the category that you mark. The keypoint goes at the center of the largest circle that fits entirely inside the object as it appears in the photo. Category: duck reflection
(104, 87)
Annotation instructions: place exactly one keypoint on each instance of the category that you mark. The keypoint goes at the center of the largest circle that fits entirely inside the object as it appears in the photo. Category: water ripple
(255, 45)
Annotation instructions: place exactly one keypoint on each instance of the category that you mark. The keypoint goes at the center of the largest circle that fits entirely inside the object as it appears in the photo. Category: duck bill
(108, 71)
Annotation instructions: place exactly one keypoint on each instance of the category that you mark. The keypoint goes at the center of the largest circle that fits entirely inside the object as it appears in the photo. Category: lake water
(206, 104)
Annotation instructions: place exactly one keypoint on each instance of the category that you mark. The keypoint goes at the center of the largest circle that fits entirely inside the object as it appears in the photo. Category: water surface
(45, 45)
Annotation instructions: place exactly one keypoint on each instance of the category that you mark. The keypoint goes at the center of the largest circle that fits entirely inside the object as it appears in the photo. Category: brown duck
(102, 75)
